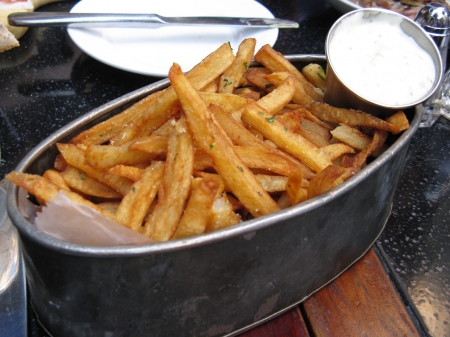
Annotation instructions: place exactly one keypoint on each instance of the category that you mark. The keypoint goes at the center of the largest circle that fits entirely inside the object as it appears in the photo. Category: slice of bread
(7, 39)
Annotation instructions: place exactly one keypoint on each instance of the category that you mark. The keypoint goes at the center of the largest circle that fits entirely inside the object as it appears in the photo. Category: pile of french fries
(224, 143)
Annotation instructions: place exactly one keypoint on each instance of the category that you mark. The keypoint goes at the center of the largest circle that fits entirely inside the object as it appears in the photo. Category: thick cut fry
(154, 145)
(56, 178)
(288, 141)
(349, 117)
(399, 121)
(135, 204)
(379, 137)
(351, 136)
(45, 190)
(336, 150)
(328, 179)
(312, 136)
(237, 132)
(309, 116)
(157, 114)
(104, 131)
(275, 61)
(105, 156)
(228, 102)
(198, 209)
(222, 214)
(236, 175)
(174, 191)
(249, 94)
(257, 76)
(272, 183)
(231, 77)
(317, 128)
(131, 172)
(300, 95)
(82, 182)
(315, 74)
(75, 157)
(279, 97)
(294, 188)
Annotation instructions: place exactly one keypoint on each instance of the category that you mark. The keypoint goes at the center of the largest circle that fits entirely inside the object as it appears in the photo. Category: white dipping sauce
(378, 61)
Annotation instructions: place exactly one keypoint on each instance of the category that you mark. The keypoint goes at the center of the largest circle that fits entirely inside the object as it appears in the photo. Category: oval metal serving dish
(217, 283)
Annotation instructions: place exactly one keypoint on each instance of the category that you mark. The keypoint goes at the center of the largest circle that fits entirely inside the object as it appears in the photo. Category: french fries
(222, 144)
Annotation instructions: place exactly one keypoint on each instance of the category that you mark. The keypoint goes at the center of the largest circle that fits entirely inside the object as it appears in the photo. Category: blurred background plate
(152, 51)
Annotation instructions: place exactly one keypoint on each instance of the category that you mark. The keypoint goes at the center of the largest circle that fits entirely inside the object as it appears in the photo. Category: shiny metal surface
(213, 284)
(434, 18)
(96, 20)
(13, 308)
(338, 94)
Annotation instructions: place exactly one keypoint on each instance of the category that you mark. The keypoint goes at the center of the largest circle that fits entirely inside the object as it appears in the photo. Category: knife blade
(113, 20)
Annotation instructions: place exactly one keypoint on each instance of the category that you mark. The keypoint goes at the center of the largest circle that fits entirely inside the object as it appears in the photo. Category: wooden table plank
(360, 302)
(290, 324)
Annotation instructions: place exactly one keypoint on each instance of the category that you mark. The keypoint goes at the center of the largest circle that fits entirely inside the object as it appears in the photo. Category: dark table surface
(49, 81)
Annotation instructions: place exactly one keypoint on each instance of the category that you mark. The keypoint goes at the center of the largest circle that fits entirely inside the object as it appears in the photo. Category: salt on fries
(224, 143)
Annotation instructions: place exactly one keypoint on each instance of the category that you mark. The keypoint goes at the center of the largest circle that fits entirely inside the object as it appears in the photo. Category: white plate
(152, 51)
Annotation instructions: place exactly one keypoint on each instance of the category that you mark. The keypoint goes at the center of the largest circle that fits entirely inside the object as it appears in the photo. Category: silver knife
(106, 20)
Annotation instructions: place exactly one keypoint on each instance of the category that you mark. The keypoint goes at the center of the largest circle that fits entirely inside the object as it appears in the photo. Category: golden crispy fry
(272, 183)
(231, 77)
(56, 178)
(351, 136)
(279, 97)
(222, 214)
(211, 86)
(228, 102)
(249, 94)
(300, 95)
(275, 61)
(313, 137)
(207, 136)
(197, 212)
(266, 159)
(317, 128)
(379, 137)
(75, 157)
(336, 150)
(328, 179)
(174, 190)
(262, 159)
(349, 117)
(294, 188)
(315, 74)
(286, 140)
(157, 113)
(82, 182)
(104, 131)
(309, 116)
(257, 76)
(45, 190)
(237, 132)
(131, 172)
(154, 145)
(399, 121)
(135, 204)
(106, 156)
